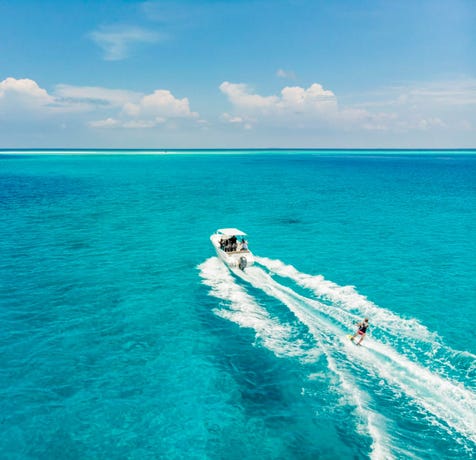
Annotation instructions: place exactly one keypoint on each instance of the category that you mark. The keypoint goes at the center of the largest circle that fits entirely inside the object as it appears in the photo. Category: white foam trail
(374, 422)
(409, 333)
(348, 298)
(244, 311)
(450, 403)
(447, 401)
(319, 328)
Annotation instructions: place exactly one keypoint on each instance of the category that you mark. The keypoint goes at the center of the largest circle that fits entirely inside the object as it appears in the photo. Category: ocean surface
(122, 336)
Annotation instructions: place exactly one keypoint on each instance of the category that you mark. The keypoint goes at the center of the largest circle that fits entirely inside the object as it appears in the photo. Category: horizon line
(233, 149)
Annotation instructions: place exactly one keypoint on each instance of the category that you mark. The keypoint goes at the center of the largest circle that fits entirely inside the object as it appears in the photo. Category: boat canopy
(230, 232)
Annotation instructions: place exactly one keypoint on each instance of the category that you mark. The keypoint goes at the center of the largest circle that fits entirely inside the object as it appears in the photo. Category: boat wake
(403, 371)
(244, 310)
(408, 335)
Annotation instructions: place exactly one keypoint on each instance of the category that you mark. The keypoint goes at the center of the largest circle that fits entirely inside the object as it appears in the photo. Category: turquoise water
(123, 336)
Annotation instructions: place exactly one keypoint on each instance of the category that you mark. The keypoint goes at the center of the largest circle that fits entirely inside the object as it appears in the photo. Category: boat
(232, 248)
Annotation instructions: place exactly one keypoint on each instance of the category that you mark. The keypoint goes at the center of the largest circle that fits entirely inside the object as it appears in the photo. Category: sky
(238, 74)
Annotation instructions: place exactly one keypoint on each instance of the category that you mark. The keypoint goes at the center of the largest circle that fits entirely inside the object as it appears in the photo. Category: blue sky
(226, 74)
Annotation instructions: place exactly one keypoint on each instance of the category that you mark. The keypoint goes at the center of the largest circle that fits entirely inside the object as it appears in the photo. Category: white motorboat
(231, 247)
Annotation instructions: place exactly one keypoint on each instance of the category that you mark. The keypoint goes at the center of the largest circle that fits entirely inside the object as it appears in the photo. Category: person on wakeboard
(361, 330)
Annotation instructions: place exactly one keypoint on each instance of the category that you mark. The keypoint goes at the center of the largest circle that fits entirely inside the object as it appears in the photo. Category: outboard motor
(243, 263)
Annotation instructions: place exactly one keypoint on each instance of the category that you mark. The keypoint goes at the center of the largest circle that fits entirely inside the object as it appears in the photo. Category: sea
(123, 336)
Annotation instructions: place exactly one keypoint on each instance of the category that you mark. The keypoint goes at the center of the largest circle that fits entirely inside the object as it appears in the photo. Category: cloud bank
(300, 116)
(24, 98)
(400, 109)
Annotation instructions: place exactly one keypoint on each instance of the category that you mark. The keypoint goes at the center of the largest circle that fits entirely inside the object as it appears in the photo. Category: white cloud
(290, 75)
(118, 108)
(27, 97)
(95, 95)
(107, 123)
(148, 111)
(23, 92)
(240, 96)
(244, 122)
(161, 103)
(422, 106)
(313, 99)
(293, 101)
(129, 124)
(431, 107)
(441, 94)
(231, 119)
(428, 113)
(140, 124)
(117, 41)
(22, 86)
(429, 123)
(454, 93)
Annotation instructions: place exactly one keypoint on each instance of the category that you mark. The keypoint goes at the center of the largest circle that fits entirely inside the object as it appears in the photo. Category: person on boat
(233, 243)
(226, 245)
(361, 330)
(244, 245)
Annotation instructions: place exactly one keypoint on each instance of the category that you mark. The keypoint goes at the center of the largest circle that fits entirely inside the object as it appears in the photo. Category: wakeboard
(349, 336)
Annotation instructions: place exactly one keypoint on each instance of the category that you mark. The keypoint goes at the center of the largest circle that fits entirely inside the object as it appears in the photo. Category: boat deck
(241, 251)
